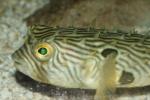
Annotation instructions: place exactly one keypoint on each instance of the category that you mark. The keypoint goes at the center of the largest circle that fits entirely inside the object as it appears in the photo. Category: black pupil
(42, 51)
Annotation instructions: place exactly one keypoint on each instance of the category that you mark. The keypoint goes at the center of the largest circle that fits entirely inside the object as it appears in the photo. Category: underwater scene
(74, 50)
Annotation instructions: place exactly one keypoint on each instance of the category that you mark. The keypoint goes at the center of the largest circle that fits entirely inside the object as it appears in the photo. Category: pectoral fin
(107, 75)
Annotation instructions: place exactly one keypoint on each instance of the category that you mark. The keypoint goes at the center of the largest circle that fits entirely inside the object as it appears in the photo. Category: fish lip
(13, 56)
(17, 62)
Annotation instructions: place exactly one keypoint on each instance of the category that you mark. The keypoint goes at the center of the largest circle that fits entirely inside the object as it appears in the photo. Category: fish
(85, 58)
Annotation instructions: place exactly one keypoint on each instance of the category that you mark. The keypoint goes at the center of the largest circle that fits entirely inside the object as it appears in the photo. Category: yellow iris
(43, 51)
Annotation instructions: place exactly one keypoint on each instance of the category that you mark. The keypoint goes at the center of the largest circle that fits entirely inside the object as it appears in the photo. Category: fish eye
(43, 51)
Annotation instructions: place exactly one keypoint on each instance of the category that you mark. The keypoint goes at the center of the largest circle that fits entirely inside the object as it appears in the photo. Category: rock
(12, 24)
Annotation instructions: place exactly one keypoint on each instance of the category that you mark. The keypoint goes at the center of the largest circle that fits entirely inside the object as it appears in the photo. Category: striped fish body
(76, 55)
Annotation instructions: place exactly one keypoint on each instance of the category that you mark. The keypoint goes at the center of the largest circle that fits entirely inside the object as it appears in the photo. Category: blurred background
(17, 15)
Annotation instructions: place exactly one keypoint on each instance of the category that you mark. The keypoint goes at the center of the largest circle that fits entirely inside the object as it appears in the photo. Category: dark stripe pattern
(75, 46)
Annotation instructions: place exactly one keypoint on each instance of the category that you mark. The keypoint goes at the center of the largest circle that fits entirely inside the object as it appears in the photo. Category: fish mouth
(17, 62)
(14, 55)
(16, 59)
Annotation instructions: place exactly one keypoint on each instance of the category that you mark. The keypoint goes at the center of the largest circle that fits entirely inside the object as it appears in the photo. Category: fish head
(36, 56)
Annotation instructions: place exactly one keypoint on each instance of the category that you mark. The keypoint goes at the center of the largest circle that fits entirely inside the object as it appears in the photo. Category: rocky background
(17, 15)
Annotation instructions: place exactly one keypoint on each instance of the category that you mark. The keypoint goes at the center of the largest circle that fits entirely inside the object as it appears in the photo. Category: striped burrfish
(85, 58)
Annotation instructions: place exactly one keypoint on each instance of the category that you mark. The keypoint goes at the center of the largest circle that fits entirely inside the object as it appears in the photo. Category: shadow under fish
(51, 90)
